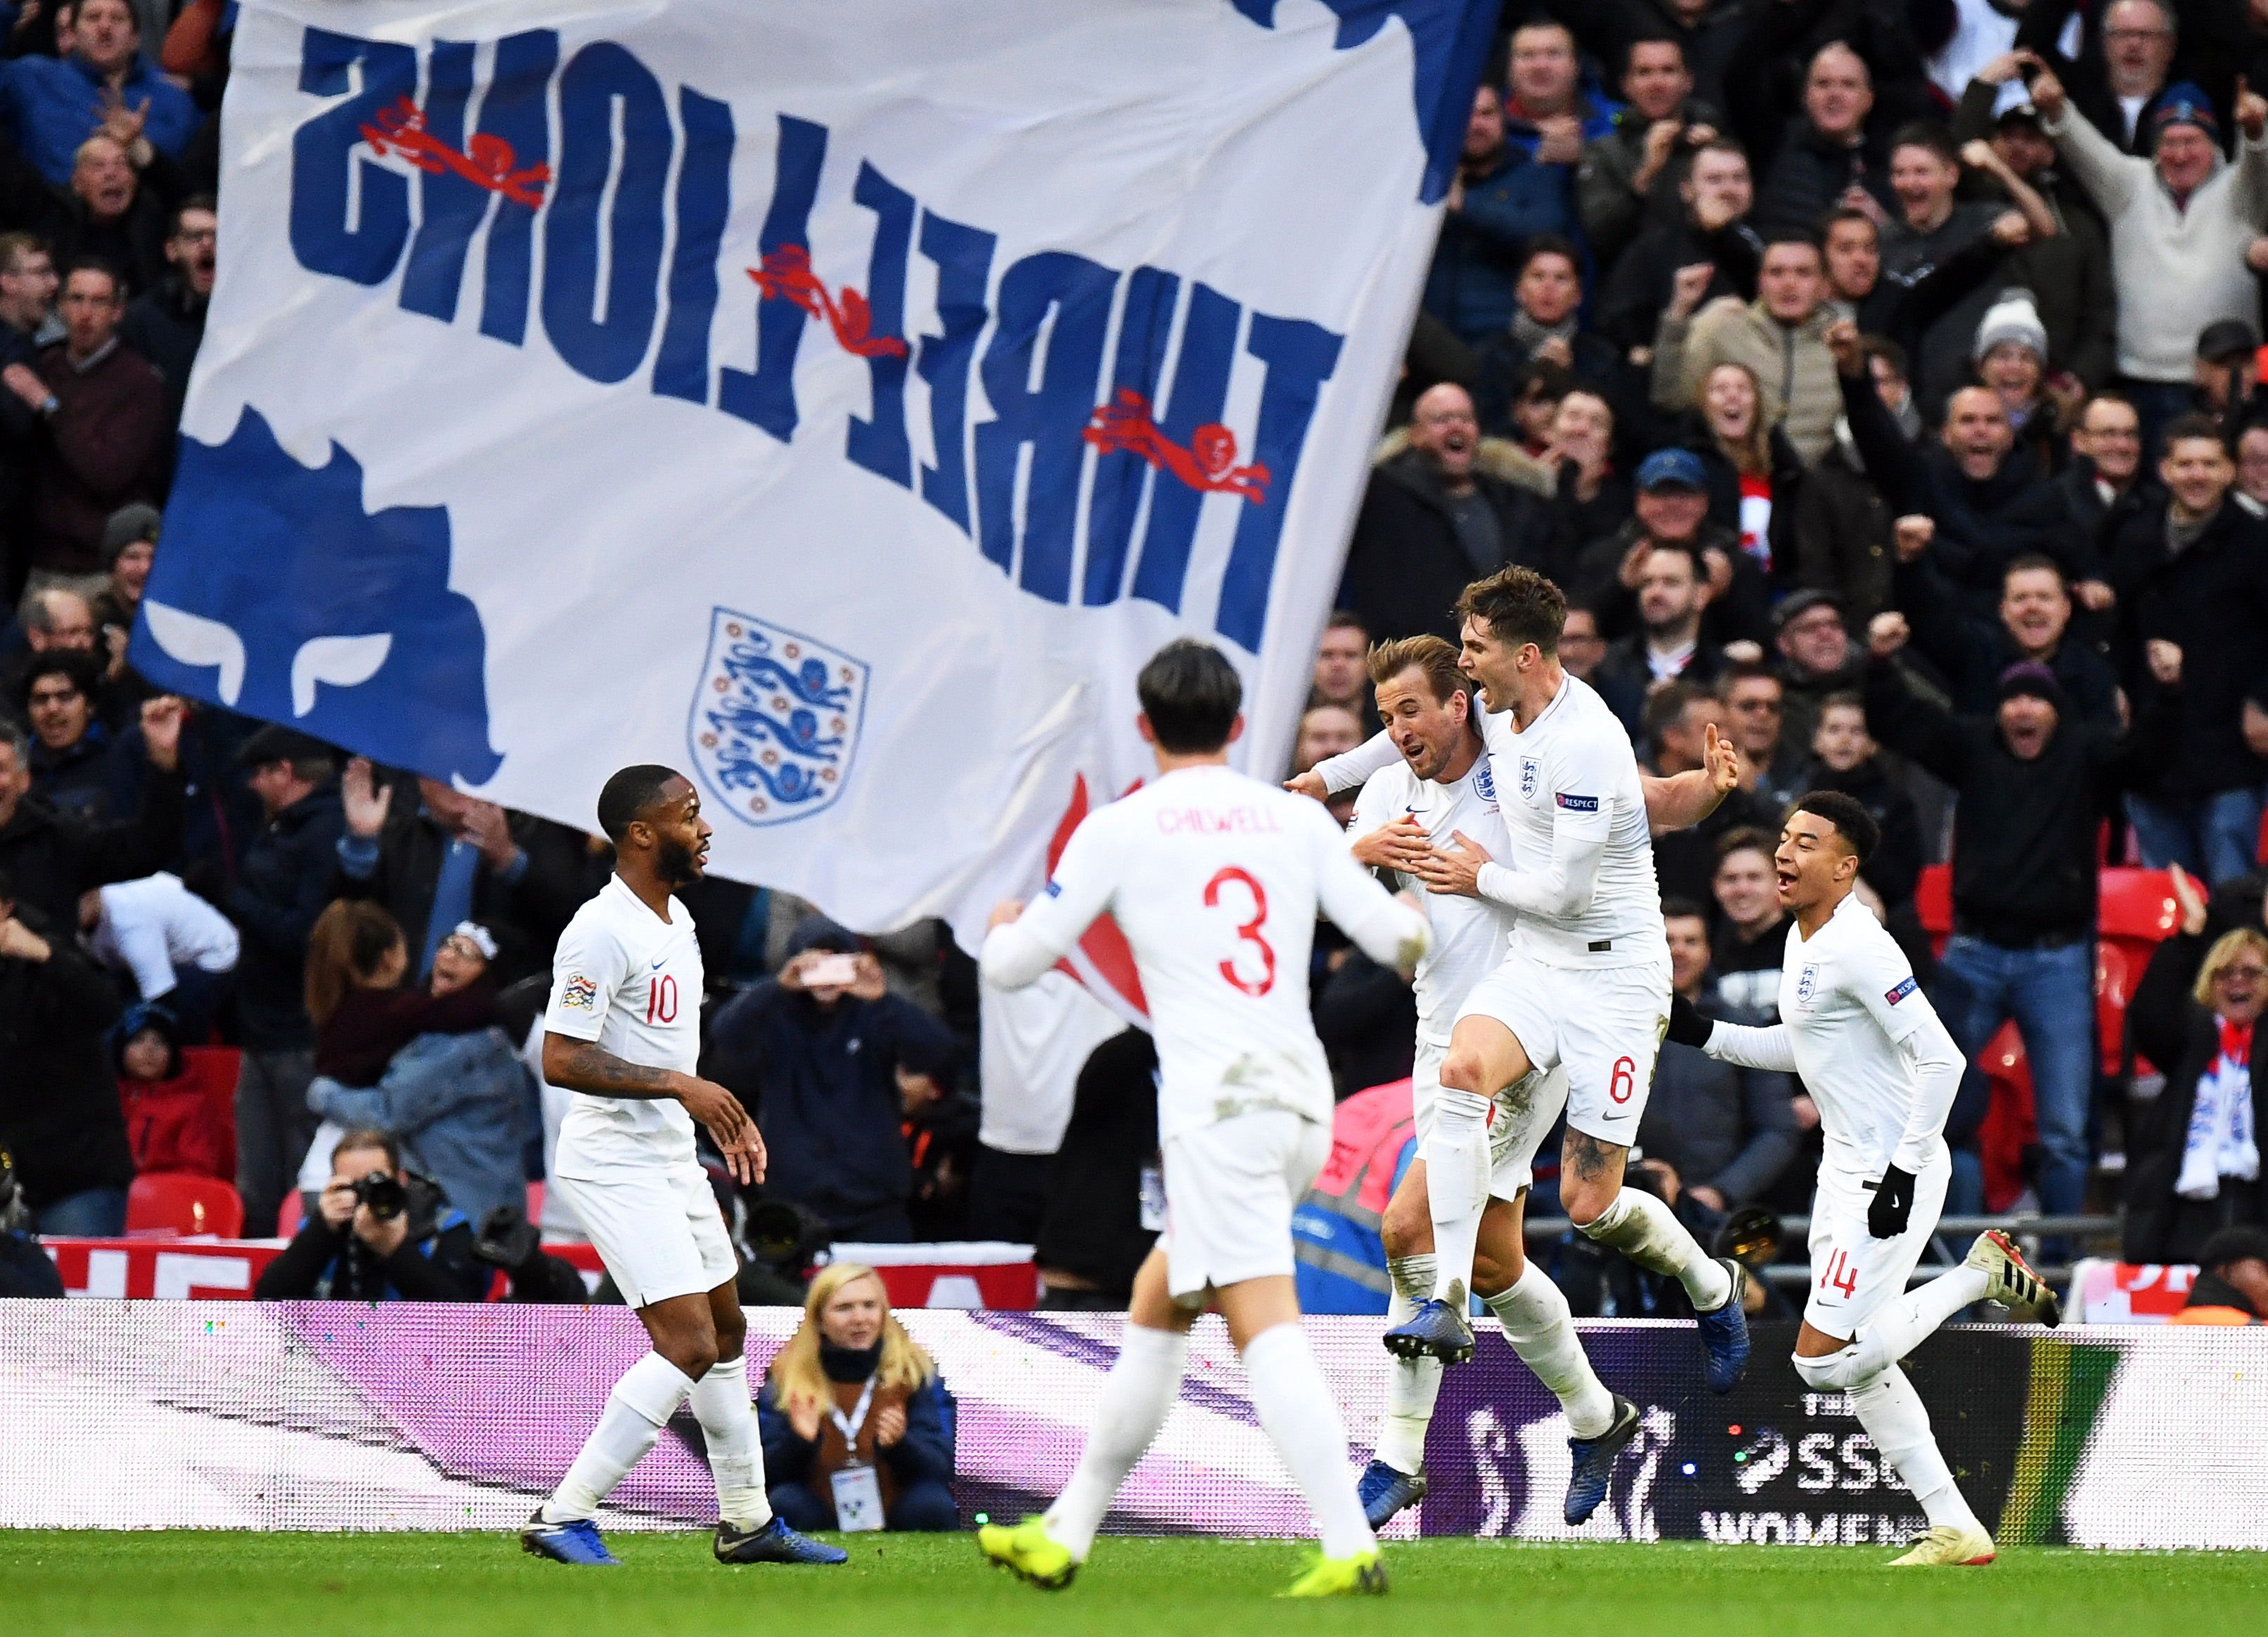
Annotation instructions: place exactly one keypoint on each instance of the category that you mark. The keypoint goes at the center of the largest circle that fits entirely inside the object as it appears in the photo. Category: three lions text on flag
(837, 398)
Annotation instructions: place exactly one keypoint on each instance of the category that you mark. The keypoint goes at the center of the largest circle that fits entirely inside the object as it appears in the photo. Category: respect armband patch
(1577, 804)
(1895, 995)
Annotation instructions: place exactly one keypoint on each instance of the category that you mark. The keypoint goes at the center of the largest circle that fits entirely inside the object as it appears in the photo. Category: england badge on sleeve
(774, 727)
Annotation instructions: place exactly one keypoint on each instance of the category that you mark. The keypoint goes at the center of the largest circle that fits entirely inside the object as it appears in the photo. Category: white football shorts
(659, 1232)
(1231, 1188)
(1852, 1273)
(1520, 1118)
(1601, 1025)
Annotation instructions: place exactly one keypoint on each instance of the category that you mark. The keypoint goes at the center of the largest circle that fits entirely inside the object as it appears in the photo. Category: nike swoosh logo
(658, 965)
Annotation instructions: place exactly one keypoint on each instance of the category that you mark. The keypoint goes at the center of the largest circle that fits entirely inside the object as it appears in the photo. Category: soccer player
(1585, 982)
(624, 1030)
(1440, 790)
(1216, 880)
(1883, 1070)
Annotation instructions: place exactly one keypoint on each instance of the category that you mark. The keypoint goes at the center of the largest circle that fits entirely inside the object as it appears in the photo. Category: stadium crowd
(1883, 382)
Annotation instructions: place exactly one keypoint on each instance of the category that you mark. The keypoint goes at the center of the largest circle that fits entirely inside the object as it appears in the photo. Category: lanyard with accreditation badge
(857, 1487)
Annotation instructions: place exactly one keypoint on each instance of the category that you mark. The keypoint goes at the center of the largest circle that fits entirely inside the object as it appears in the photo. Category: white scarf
(2221, 1141)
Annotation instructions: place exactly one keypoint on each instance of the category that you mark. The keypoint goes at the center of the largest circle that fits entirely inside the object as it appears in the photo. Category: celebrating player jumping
(1586, 981)
(1439, 792)
(624, 1029)
(1216, 880)
(1883, 1070)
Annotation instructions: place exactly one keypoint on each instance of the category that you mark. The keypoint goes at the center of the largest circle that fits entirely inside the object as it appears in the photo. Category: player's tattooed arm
(580, 1066)
(574, 1065)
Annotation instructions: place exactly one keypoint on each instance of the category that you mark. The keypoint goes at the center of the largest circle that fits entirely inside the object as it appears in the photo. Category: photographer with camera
(379, 1233)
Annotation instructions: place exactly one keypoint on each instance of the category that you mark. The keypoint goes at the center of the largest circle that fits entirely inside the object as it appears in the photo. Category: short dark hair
(2240, 1243)
(1746, 671)
(1721, 144)
(1802, 236)
(76, 669)
(1552, 244)
(1347, 619)
(369, 1137)
(1848, 213)
(1665, 706)
(1848, 814)
(2030, 562)
(1650, 34)
(96, 264)
(204, 201)
(1519, 606)
(1192, 694)
(1843, 699)
(1683, 910)
(1930, 134)
(1746, 839)
(2187, 428)
(630, 793)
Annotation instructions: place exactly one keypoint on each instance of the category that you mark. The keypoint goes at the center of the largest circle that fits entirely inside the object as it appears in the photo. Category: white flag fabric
(837, 400)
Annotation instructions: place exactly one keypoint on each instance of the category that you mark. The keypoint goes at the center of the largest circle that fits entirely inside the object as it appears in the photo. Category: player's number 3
(1249, 932)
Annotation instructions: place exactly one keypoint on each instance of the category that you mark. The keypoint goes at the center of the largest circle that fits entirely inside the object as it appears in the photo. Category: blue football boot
(1725, 1333)
(577, 1541)
(1385, 1490)
(1595, 1462)
(1436, 1329)
(774, 1543)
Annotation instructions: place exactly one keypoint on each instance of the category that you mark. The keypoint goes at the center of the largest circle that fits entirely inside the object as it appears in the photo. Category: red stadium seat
(2011, 1123)
(2138, 906)
(1934, 903)
(167, 1202)
(290, 1214)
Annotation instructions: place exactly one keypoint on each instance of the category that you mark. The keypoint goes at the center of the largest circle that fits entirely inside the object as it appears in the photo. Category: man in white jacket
(2182, 225)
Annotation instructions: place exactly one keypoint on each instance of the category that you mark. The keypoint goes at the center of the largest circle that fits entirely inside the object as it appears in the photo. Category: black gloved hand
(1687, 1026)
(1892, 1207)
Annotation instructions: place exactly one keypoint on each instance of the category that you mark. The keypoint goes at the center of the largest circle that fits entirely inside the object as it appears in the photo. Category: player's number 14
(1248, 933)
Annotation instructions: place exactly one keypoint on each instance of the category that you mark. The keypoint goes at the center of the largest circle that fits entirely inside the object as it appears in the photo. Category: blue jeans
(96, 1213)
(2050, 993)
(2216, 837)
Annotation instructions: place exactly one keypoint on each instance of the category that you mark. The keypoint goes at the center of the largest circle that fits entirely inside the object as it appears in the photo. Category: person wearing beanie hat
(129, 546)
(2011, 356)
(2181, 223)
(2033, 780)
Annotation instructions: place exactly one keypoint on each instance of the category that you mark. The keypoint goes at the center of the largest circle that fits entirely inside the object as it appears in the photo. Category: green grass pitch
(185, 1584)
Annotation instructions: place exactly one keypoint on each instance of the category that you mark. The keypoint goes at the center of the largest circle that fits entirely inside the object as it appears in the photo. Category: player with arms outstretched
(1216, 880)
(1436, 796)
(1585, 980)
(625, 1030)
(1883, 1070)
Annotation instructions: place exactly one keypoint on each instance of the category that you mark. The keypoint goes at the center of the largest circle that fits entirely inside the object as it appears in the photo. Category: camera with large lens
(382, 1192)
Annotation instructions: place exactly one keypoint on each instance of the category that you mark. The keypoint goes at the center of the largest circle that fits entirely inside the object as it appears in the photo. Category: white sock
(1901, 1326)
(736, 1454)
(637, 1410)
(1456, 1152)
(1542, 1330)
(1301, 1420)
(1649, 1233)
(1411, 1385)
(1891, 1410)
(1136, 1398)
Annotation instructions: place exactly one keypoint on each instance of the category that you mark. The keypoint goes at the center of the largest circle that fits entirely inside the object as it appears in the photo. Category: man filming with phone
(815, 1053)
(379, 1233)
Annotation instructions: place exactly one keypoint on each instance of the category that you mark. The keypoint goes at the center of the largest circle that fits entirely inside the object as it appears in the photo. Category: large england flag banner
(837, 400)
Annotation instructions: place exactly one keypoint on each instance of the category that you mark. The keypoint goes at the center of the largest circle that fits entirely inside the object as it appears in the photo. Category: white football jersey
(632, 982)
(1848, 998)
(1215, 878)
(1574, 766)
(1468, 933)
